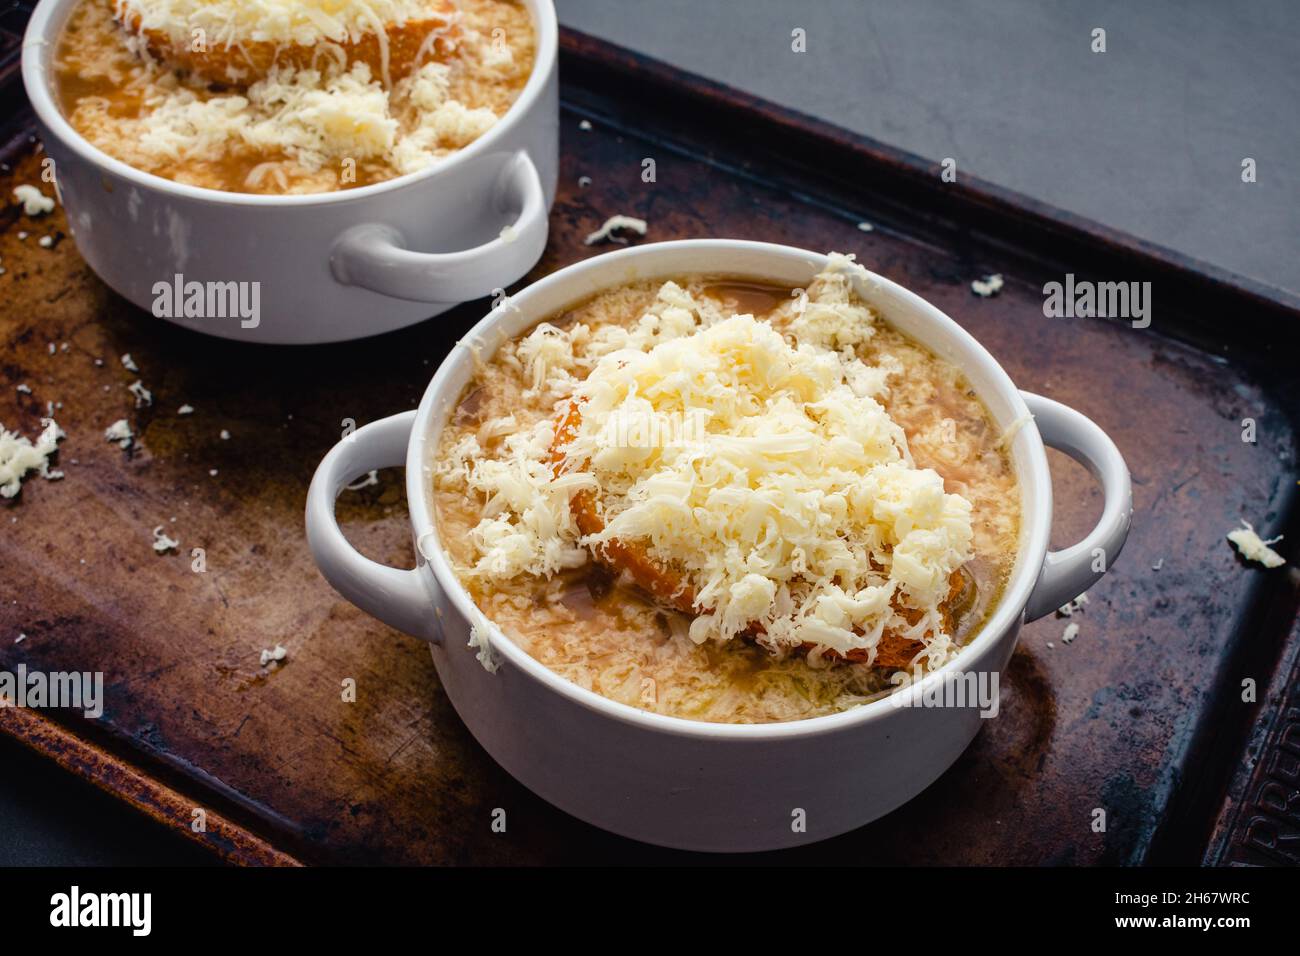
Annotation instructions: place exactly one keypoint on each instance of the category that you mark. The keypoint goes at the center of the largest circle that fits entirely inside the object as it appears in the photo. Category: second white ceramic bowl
(331, 266)
(677, 782)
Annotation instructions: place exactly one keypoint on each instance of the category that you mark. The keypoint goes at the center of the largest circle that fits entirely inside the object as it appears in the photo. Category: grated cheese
(988, 286)
(319, 117)
(1012, 430)
(33, 201)
(227, 23)
(161, 542)
(19, 455)
(317, 120)
(372, 478)
(611, 225)
(796, 511)
(277, 654)
(141, 394)
(481, 643)
(1070, 633)
(1070, 607)
(1254, 548)
(119, 433)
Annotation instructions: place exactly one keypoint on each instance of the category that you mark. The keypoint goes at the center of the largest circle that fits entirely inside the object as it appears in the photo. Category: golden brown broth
(611, 639)
(101, 86)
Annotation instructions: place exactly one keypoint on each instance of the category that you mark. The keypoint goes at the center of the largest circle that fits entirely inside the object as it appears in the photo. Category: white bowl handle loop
(399, 598)
(374, 256)
(1067, 574)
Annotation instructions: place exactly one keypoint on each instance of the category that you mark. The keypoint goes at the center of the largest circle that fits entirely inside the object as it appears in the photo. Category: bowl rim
(50, 15)
(1028, 454)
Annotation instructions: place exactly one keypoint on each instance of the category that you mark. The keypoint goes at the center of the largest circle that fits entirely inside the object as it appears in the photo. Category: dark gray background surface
(1147, 137)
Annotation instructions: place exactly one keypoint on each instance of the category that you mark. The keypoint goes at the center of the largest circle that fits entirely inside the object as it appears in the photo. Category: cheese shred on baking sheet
(1255, 548)
(19, 455)
(758, 468)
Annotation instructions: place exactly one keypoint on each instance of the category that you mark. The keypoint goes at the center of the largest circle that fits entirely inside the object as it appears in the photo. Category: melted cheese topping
(787, 501)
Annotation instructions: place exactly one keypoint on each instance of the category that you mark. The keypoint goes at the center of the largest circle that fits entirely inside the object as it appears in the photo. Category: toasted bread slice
(248, 61)
(669, 588)
(666, 586)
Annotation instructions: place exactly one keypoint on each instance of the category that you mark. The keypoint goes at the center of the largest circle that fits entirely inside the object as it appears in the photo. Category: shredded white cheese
(317, 120)
(277, 653)
(614, 223)
(989, 285)
(372, 478)
(1012, 430)
(120, 433)
(161, 542)
(142, 395)
(1254, 548)
(227, 23)
(482, 645)
(1070, 607)
(128, 363)
(33, 201)
(1070, 633)
(19, 455)
(795, 512)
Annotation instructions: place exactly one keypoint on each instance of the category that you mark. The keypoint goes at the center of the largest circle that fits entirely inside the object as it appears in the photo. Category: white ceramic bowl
(333, 266)
(677, 782)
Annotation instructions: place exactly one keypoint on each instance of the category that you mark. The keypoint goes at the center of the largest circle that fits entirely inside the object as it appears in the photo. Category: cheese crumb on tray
(19, 455)
(33, 201)
(119, 433)
(614, 224)
(1253, 548)
(162, 543)
(276, 654)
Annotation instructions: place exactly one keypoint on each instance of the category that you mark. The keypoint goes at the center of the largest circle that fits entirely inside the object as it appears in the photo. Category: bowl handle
(1067, 574)
(397, 597)
(374, 256)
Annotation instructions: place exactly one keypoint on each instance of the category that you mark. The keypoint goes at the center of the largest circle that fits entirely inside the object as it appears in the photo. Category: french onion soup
(289, 96)
(727, 501)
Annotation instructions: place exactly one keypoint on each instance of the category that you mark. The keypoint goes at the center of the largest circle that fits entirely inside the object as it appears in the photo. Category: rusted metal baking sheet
(1141, 716)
